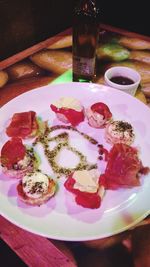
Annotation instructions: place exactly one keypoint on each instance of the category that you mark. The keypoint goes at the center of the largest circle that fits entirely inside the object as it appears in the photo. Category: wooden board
(34, 250)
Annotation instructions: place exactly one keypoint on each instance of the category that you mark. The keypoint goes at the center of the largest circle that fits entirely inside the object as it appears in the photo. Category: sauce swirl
(62, 141)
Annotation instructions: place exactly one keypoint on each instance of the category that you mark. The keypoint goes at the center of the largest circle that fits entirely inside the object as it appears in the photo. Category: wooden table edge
(35, 250)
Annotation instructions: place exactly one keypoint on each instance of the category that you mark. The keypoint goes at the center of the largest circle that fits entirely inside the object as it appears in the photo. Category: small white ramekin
(125, 72)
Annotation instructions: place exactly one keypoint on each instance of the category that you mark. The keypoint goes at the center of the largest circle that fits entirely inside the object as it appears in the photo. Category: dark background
(24, 23)
(27, 22)
(130, 15)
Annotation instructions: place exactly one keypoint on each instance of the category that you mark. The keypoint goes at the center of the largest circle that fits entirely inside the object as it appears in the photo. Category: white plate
(60, 218)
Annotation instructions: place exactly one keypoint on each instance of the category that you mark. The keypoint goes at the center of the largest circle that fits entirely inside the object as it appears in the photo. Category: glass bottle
(85, 39)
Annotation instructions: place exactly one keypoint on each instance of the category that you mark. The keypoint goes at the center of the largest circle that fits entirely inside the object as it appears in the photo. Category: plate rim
(65, 238)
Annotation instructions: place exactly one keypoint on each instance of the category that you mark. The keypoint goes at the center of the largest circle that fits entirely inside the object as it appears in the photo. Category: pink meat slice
(22, 124)
(74, 117)
(12, 152)
(123, 168)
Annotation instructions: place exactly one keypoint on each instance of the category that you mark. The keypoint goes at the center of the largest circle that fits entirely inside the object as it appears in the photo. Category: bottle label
(84, 66)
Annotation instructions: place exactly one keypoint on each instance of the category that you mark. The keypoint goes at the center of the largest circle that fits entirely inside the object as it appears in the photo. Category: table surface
(32, 249)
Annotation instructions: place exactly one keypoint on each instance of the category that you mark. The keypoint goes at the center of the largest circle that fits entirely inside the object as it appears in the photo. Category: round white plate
(61, 218)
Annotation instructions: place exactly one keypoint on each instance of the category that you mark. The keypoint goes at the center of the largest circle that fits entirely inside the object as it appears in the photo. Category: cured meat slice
(102, 109)
(12, 152)
(18, 159)
(123, 168)
(68, 110)
(98, 115)
(23, 125)
(72, 116)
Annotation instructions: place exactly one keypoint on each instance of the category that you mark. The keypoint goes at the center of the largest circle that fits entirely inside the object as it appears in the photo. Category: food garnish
(18, 159)
(23, 125)
(36, 188)
(85, 185)
(124, 168)
(68, 110)
(98, 115)
(119, 132)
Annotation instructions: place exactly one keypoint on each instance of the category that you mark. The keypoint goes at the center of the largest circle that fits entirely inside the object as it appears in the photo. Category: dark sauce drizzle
(63, 142)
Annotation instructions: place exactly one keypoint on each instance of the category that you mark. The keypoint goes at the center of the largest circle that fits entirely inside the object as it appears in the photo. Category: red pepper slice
(12, 152)
(88, 200)
(74, 117)
(84, 199)
(102, 109)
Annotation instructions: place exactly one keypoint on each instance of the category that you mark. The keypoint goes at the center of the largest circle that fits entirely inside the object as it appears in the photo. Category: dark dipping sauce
(121, 80)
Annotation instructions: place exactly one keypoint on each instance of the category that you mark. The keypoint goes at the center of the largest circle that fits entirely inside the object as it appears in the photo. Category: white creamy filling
(68, 102)
(95, 115)
(35, 185)
(119, 134)
(86, 181)
(24, 162)
(95, 119)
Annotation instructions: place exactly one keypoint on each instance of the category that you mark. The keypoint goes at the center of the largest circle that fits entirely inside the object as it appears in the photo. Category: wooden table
(34, 250)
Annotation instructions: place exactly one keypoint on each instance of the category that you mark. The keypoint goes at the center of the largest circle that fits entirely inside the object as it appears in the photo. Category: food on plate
(134, 43)
(98, 115)
(53, 60)
(3, 78)
(119, 132)
(112, 52)
(143, 56)
(24, 125)
(18, 159)
(68, 110)
(62, 142)
(83, 179)
(85, 185)
(62, 42)
(36, 188)
(103, 152)
(23, 69)
(123, 169)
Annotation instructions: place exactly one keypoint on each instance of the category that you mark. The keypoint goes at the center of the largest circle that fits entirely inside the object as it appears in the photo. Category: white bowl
(124, 72)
